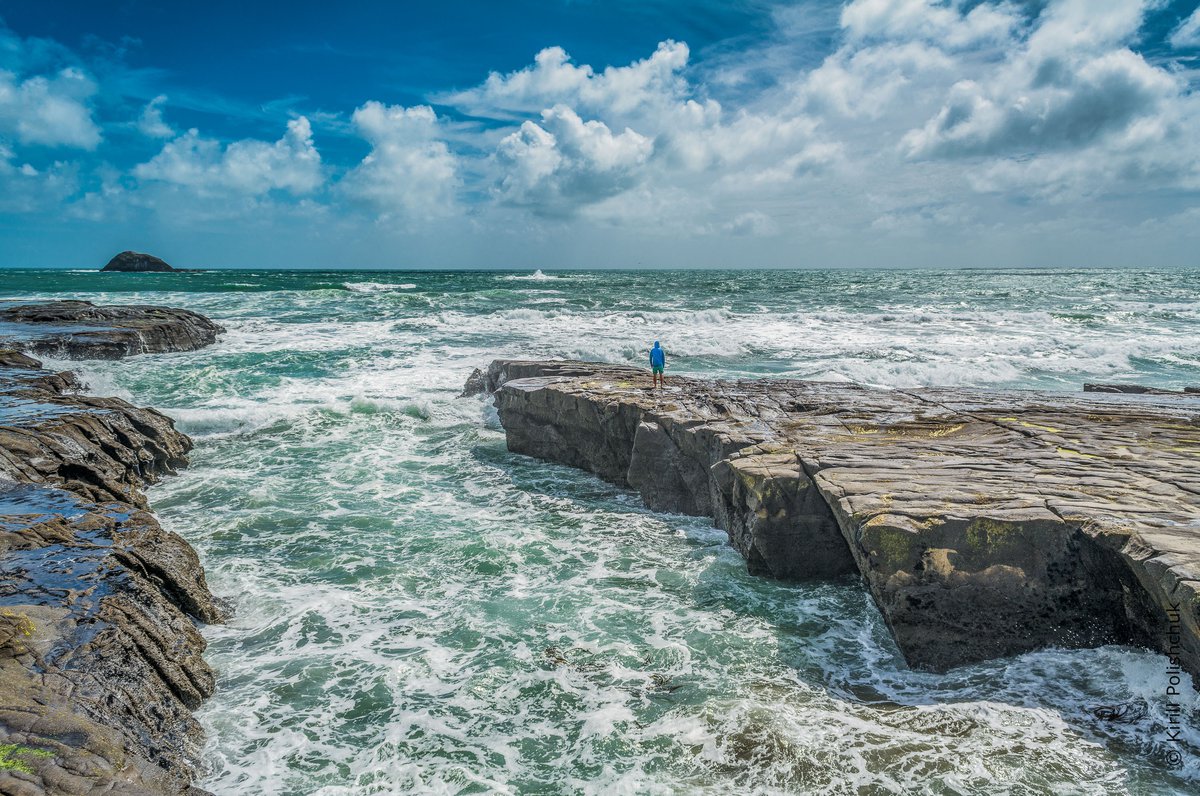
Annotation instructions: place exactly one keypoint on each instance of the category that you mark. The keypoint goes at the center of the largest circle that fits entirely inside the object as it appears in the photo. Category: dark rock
(82, 330)
(476, 384)
(985, 524)
(100, 659)
(1136, 389)
(776, 517)
(136, 262)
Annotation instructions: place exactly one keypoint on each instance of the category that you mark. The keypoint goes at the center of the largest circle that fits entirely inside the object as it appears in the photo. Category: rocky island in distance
(138, 262)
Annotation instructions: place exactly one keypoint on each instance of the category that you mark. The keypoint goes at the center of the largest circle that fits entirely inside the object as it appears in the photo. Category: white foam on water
(536, 276)
(419, 611)
(377, 287)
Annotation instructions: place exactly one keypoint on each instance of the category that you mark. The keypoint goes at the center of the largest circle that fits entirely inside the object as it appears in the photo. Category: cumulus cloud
(1188, 32)
(26, 189)
(565, 162)
(51, 110)
(622, 143)
(925, 118)
(865, 82)
(248, 167)
(943, 23)
(553, 79)
(409, 171)
(1070, 84)
(753, 222)
(151, 123)
(1052, 103)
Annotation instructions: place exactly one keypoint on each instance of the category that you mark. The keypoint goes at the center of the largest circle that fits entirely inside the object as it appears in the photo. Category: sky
(601, 133)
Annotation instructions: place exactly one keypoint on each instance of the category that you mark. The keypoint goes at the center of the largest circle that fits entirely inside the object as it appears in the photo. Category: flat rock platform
(984, 523)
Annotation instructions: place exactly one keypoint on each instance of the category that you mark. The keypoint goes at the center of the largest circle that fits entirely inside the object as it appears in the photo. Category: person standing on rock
(658, 361)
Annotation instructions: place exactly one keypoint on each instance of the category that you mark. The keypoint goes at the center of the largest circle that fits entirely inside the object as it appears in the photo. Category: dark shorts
(656, 369)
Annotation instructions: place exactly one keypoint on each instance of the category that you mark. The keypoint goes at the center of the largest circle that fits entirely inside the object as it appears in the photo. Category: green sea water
(417, 610)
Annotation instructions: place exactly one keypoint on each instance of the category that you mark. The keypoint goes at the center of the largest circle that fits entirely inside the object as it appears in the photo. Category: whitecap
(536, 276)
(421, 611)
(377, 287)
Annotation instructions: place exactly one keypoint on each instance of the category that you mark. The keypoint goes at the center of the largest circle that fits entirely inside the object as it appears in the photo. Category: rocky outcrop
(100, 657)
(984, 524)
(136, 262)
(80, 329)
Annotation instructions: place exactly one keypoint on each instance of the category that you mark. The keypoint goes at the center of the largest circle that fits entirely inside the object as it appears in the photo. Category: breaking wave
(377, 287)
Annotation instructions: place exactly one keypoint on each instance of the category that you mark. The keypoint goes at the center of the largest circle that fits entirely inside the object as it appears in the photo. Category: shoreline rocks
(984, 524)
(82, 330)
(1137, 389)
(101, 660)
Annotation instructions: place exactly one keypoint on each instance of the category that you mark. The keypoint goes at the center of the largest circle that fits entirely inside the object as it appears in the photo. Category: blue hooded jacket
(658, 357)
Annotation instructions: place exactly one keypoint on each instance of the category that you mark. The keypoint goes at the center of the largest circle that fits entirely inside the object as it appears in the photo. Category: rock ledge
(100, 656)
(984, 524)
(83, 330)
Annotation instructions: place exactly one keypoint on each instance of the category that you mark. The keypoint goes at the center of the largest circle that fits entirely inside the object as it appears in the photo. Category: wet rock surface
(82, 330)
(100, 657)
(984, 524)
(1136, 389)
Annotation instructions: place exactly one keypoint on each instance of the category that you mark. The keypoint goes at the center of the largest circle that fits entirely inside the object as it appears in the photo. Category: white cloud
(552, 79)
(1188, 32)
(151, 123)
(1086, 25)
(25, 189)
(1071, 114)
(753, 222)
(409, 171)
(865, 82)
(929, 120)
(565, 163)
(49, 110)
(248, 167)
(943, 23)
(650, 135)
(1046, 104)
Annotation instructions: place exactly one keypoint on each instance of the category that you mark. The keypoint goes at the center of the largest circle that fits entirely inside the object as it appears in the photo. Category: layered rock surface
(100, 657)
(985, 524)
(80, 329)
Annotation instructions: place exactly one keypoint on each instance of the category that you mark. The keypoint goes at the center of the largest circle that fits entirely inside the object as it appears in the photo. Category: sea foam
(419, 610)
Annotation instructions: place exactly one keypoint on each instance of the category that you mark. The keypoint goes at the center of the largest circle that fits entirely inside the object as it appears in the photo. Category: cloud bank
(945, 121)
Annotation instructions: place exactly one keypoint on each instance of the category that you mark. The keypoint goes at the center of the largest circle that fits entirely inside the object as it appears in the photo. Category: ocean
(418, 610)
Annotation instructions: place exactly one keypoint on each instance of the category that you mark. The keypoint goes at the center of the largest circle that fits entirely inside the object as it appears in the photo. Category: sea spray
(418, 609)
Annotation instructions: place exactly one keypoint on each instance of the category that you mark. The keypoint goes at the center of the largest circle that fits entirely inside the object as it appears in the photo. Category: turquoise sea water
(417, 610)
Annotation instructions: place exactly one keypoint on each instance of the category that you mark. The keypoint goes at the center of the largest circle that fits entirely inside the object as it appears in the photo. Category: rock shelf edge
(101, 657)
(984, 523)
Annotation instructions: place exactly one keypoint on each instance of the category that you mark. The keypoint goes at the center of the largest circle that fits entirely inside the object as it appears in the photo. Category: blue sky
(559, 134)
